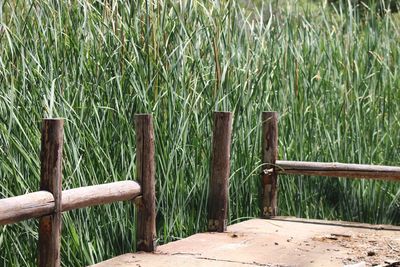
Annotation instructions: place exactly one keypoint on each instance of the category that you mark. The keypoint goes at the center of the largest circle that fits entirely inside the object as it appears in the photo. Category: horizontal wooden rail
(48, 203)
(338, 170)
(32, 205)
(37, 204)
(99, 194)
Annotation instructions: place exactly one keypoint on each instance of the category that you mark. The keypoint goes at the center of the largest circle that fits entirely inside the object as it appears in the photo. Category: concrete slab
(277, 242)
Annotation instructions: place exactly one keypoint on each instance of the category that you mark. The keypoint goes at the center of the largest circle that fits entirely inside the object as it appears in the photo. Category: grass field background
(333, 76)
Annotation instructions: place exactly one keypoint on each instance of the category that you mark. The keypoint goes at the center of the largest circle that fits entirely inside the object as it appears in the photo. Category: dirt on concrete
(277, 242)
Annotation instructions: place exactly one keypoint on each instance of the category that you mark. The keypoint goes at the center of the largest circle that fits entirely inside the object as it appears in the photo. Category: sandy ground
(277, 242)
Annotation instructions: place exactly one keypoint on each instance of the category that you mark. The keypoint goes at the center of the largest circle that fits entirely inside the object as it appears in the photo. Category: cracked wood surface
(277, 242)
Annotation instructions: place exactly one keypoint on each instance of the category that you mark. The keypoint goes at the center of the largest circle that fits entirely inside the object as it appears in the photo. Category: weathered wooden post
(219, 185)
(50, 180)
(145, 170)
(269, 192)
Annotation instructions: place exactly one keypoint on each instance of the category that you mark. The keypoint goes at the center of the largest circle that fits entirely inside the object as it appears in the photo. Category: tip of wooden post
(143, 118)
(268, 115)
(222, 112)
(53, 119)
(223, 115)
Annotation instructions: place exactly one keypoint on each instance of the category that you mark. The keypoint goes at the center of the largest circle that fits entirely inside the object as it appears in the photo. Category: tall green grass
(333, 77)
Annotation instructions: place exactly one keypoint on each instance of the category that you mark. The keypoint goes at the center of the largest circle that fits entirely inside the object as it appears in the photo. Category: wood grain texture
(99, 194)
(41, 203)
(269, 181)
(338, 170)
(32, 205)
(218, 197)
(145, 168)
(50, 180)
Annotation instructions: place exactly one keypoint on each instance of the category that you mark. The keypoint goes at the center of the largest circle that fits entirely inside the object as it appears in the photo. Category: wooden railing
(48, 203)
(335, 169)
(272, 167)
(41, 203)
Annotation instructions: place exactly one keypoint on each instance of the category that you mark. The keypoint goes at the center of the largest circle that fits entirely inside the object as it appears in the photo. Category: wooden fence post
(269, 155)
(50, 180)
(145, 170)
(219, 181)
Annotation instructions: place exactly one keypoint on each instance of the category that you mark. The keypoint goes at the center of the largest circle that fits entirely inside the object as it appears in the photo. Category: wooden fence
(272, 167)
(48, 203)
